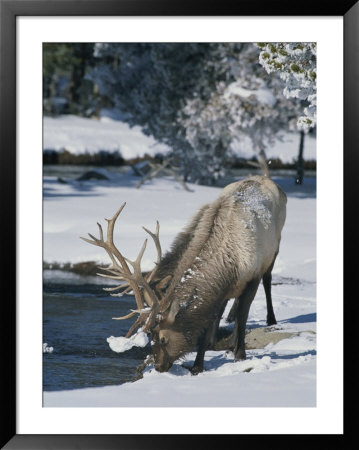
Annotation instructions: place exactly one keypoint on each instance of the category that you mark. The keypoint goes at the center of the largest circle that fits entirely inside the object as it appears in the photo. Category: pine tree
(151, 83)
(64, 75)
(252, 106)
(296, 64)
(197, 99)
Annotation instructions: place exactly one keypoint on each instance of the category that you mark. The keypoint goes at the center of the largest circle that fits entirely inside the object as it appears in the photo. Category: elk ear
(155, 329)
(174, 308)
(163, 284)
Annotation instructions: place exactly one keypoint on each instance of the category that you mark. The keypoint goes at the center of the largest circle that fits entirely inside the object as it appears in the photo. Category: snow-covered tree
(296, 64)
(151, 83)
(250, 107)
(196, 98)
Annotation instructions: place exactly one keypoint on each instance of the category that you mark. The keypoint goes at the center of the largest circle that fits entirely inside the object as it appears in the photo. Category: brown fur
(228, 244)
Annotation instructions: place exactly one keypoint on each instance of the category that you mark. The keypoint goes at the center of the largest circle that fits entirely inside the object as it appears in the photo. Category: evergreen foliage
(296, 64)
(251, 107)
(150, 83)
(65, 86)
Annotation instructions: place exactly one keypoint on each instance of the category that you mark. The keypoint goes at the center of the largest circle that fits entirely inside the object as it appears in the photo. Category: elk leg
(244, 303)
(267, 284)
(213, 335)
(206, 341)
(232, 313)
(202, 347)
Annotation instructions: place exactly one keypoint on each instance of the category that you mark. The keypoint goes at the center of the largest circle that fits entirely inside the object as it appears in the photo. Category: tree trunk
(300, 168)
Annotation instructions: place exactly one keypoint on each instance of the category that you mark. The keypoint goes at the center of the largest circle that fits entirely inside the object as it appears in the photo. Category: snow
(299, 83)
(80, 135)
(256, 203)
(122, 344)
(83, 135)
(282, 374)
(264, 95)
(291, 385)
(285, 149)
(46, 348)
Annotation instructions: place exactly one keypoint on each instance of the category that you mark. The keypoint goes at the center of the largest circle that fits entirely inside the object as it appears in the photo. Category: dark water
(77, 320)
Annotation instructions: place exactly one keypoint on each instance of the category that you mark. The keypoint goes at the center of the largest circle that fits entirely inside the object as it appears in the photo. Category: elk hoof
(196, 370)
(240, 355)
(271, 321)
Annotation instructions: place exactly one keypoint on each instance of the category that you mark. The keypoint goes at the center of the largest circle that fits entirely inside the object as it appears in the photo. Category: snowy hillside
(282, 374)
(81, 135)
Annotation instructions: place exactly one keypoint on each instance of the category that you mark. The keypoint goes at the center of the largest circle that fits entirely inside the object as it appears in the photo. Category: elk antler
(135, 280)
(156, 239)
(149, 275)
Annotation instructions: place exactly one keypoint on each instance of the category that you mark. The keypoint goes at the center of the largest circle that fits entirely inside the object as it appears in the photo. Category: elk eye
(163, 340)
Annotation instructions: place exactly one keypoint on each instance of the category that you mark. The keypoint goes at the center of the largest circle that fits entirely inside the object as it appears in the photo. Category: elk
(228, 247)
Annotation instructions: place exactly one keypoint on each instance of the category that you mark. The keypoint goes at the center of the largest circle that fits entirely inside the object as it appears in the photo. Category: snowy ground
(81, 135)
(283, 374)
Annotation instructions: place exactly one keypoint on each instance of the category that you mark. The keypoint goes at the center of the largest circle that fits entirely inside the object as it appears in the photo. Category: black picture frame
(9, 10)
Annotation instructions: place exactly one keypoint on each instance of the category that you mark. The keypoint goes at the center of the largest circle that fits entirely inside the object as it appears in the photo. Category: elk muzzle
(163, 367)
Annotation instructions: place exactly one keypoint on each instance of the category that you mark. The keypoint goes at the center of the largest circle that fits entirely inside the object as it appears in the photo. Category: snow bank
(81, 135)
(293, 385)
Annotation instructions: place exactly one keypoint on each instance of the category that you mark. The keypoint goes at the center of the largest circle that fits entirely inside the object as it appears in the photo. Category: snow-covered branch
(296, 64)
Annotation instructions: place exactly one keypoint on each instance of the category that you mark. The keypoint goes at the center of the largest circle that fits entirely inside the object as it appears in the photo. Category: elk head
(168, 346)
(153, 307)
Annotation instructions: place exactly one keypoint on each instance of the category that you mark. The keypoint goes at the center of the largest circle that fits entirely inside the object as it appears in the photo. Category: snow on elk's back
(257, 204)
